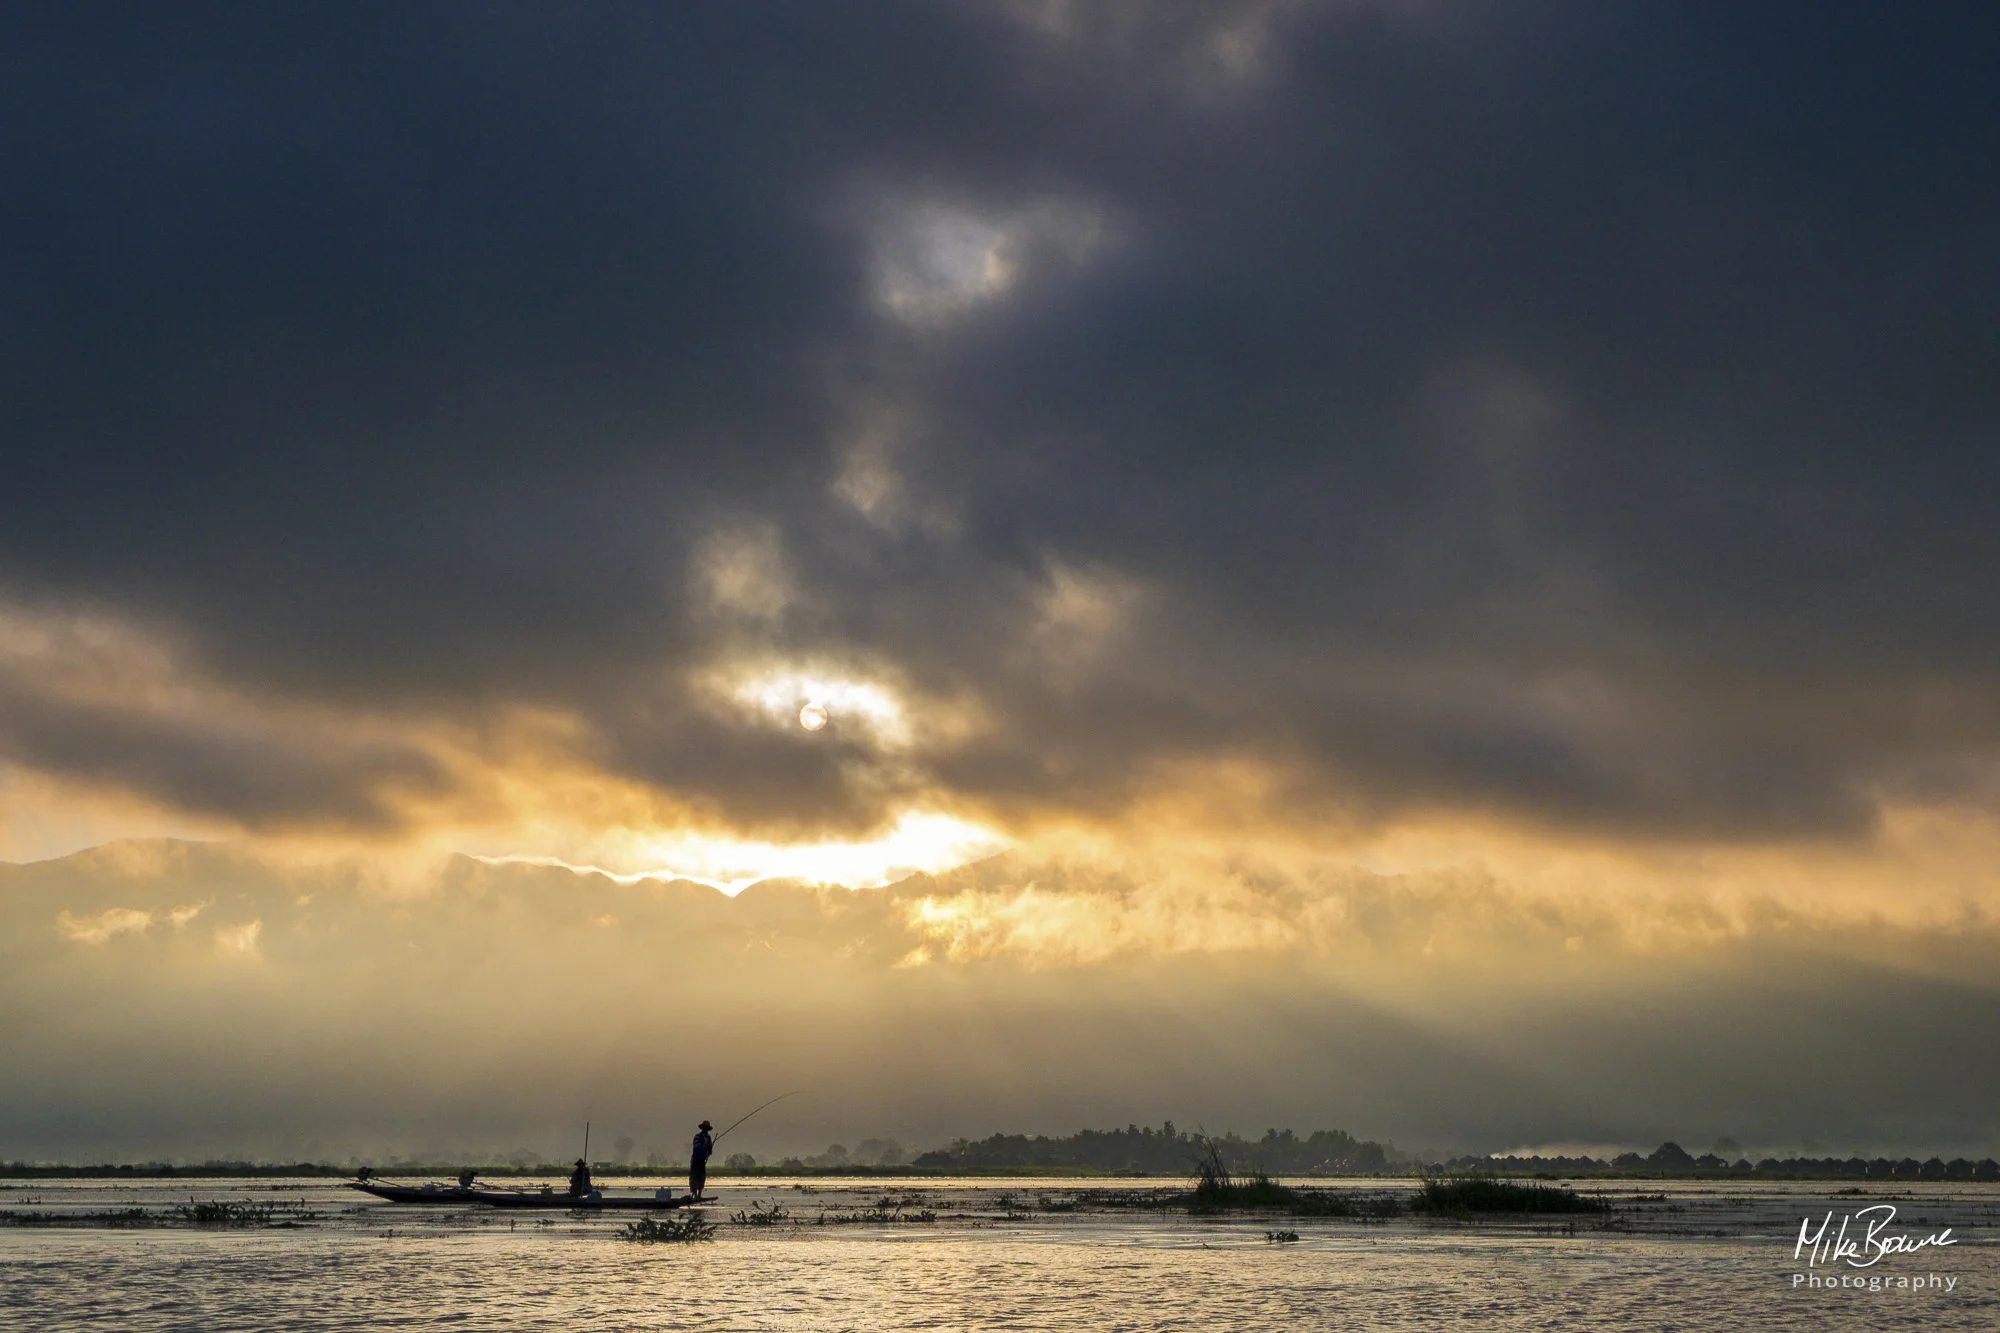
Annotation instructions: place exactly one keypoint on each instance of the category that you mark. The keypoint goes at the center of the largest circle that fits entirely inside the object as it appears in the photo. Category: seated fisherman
(579, 1179)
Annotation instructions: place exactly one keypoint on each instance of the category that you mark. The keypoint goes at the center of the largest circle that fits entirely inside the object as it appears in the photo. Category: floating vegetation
(190, 1214)
(1211, 1173)
(114, 1218)
(1462, 1196)
(1327, 1203)
(757, 1215)
(877, 1216)
(1213, 1195)
(1157, 1200)
(657, 1230)
(221, 1213)
(1216, 1191)
(1259, 1192)
(1281, 1237)
(907, 1201)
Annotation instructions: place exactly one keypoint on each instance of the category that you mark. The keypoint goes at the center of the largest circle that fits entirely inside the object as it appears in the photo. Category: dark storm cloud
(256, 776)
(1580, 411)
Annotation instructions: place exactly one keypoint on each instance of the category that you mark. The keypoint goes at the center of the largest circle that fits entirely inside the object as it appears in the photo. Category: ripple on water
(366, 1267)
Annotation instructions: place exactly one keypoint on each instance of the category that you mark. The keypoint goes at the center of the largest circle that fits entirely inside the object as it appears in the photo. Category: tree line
(1167, 1150)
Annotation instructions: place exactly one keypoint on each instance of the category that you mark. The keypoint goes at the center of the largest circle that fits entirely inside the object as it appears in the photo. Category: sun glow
(787, 695)
(917, 843)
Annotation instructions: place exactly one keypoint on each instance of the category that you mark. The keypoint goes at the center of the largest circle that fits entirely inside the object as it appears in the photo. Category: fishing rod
(773, 1102)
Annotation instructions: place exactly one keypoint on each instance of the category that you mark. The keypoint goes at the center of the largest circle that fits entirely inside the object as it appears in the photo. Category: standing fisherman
(704, 1144)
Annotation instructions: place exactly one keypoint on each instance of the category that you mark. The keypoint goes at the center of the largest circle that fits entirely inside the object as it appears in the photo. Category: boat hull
(455, 1194)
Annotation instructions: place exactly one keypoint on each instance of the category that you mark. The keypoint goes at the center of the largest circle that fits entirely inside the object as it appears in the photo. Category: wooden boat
(545, 1197)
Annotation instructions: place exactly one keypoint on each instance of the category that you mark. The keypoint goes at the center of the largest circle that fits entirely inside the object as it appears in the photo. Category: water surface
(1016, 1254)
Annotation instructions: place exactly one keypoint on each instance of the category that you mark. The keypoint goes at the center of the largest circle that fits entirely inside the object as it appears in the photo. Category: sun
(813, 716)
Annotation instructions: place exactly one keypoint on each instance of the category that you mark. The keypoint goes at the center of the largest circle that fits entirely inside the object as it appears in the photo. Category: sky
(1392, 547)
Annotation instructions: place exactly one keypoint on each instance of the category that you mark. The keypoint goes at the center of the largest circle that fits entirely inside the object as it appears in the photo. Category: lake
(1012, 1254)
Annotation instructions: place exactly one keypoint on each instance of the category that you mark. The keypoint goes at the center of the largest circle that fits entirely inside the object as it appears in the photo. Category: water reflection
(882, 1254)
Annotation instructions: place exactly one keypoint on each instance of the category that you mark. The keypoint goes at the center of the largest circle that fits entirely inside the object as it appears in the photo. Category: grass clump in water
(190, 1214)
(1460, 1196)
(757, 1215)
(118, 1217)
(1217, 1191)
(1258, 1191)
(875, 1216)
(1215, 1194)
(1158, 1200)
(220, 1213)
(658, 1230)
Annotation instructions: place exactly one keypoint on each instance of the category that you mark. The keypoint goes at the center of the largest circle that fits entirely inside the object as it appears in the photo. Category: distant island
(1132, 1151)
(1139, 1150)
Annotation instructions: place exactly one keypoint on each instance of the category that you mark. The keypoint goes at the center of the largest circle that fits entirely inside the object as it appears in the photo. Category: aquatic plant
(1153, 1199)
(221, 1213)
(1211, 1172)
(757, 1215)
(1464, 1195)
(120, 1217)
(1281, 1237)
(1259, 1191)
(1216, 1190)
(876, 1216)
(656, 1230)
(1326, 1203)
